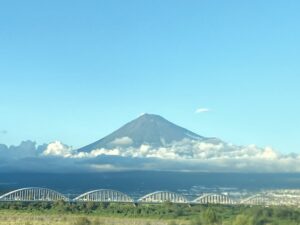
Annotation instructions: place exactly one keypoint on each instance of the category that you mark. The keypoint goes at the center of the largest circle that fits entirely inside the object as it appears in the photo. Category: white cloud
(107, 167)
(202, 155)
(181, 150)
(202, 110)
(187, 154)
(25, 149)
(122, 141)
(96, 153)
(57, 148)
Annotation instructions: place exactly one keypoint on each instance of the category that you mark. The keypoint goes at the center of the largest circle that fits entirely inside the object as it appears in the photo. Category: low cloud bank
(185, 155)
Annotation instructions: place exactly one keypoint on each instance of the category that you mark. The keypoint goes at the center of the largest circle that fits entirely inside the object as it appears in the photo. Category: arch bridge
(33, 194)
(104, 195)
(163, 196)
(214, 199)
(257, 199)
(271, 199)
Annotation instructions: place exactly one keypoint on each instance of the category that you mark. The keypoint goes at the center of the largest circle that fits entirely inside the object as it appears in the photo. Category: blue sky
(76, 70)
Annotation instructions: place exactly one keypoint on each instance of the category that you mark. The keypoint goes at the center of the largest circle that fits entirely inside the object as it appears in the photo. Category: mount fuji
(148, 129)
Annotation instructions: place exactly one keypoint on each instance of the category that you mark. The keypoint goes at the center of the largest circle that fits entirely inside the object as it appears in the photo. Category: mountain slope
(148, 129)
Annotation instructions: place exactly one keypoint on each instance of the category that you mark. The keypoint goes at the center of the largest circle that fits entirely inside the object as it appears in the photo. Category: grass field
(25, 218)
(67, 213)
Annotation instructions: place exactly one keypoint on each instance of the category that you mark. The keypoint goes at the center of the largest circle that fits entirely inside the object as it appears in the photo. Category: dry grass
(10, 218)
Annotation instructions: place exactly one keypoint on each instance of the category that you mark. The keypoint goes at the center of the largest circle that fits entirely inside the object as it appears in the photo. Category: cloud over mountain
(185, 155)
(148, 143)
(197, 156)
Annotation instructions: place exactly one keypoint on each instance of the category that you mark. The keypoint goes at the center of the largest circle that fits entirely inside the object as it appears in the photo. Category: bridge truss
(269, 198)
(214, 199)
(33, 194)
(104, 195)
(163, 196)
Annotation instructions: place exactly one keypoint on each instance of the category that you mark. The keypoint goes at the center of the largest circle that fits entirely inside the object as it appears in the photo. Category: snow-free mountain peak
(149, 129)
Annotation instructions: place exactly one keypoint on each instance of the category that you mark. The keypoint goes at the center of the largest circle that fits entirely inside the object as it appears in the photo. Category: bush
(196, 221)
(210, 216)
(242, 220)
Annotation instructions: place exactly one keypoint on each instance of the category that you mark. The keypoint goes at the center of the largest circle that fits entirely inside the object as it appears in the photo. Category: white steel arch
(103, 195)
(258, 199)
(214, 199)
(33, 194)
(163, 196)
